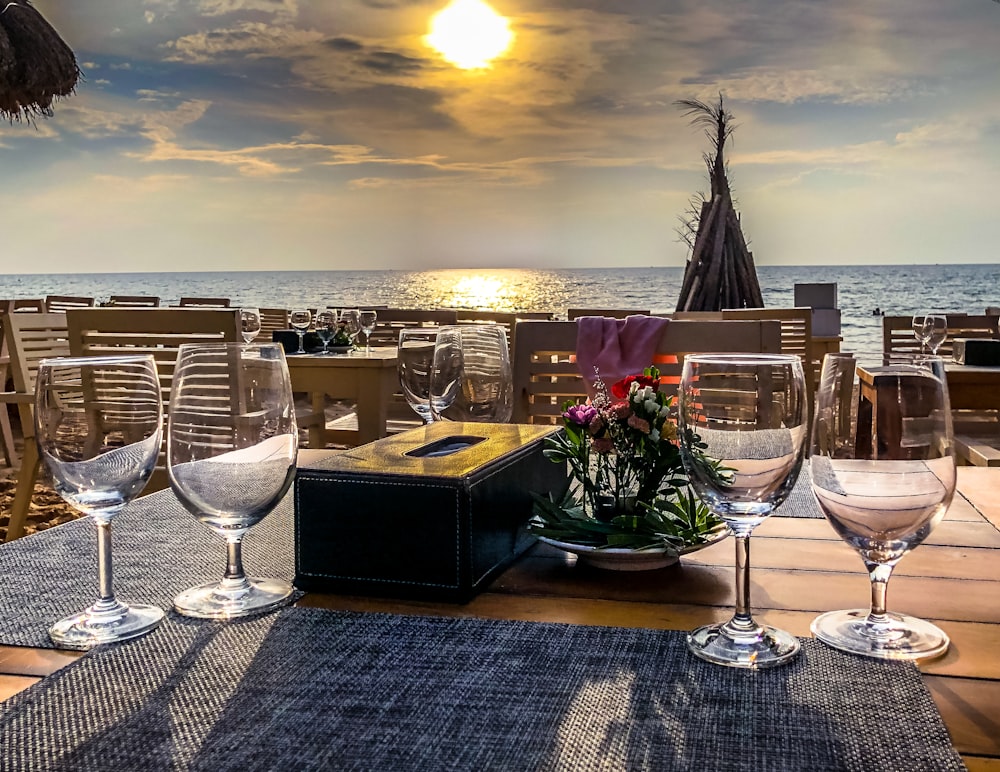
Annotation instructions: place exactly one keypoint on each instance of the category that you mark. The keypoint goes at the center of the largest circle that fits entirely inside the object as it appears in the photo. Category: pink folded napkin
(617, 347)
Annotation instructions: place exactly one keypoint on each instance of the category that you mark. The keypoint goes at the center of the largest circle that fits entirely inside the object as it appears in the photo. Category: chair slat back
(28, 339)
(391, 320)
(134, 301)
(546, 374)
(614, 313)
(272, 319)
(203, 303)
(62, 302)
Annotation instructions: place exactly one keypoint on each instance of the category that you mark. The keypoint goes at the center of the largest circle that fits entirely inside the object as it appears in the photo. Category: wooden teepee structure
(720, 272)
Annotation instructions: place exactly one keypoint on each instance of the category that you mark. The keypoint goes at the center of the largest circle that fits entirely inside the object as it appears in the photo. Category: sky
(329, 134)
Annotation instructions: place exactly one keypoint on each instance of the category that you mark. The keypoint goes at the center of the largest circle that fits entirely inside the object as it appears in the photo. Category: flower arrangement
(628, 485)
(341, 337)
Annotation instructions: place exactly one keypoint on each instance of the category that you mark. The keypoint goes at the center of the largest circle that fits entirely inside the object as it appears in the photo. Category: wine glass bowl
(367, 320)
(471, 378)
(742, 421)
(99, 429)
(326, 326)
(351, 319)
(231, 449)
(249, 323)
(415, 358)
(935, 331)
(300, 319)
(884, 482)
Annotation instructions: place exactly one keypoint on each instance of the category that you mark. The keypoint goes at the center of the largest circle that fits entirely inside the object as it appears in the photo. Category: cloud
(247, 39)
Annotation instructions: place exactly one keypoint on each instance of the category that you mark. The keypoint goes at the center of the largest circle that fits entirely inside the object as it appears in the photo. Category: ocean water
(897, 289)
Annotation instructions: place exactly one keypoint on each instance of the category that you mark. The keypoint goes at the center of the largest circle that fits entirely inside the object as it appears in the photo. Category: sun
(469, 34)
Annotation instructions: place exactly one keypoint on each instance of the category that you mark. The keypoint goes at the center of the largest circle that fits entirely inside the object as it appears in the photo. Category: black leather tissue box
(432, 513)
(984, 352)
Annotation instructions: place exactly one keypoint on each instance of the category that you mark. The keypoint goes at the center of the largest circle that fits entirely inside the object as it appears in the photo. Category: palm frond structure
(720, 272)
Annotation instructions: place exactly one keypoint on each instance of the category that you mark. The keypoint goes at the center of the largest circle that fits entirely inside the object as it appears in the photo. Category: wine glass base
(903, 637)
(86, 630)
(217, 601)
(762, 648)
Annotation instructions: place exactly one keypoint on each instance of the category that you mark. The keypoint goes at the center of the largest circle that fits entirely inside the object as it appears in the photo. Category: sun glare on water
(469, 34)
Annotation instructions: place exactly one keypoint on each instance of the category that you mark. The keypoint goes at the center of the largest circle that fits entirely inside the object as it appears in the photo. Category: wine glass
(920, 331)
(935, 331)
(414, 358)
(471, 376)
(367, 320)
(98, 424)
(231, 448)
(300, 320)
(351, 319)
(326, 326)
(743, 420)
(249, 323)
(884, 481)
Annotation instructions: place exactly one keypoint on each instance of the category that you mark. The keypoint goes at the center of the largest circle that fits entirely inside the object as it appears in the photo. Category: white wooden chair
(29, 338)
(546, 374)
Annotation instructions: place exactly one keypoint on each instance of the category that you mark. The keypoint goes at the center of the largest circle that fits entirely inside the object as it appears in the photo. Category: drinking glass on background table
(300, 319)
(98, 424)
(748, 412)
(231, 447)
(414, 359)
(367, 320)
(351, 319)
(326, 326)
(935, 331)
(471, 377)
(249, 323)
(883, 485)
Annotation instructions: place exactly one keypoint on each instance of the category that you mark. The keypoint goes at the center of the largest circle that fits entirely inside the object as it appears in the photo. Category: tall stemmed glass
(471, 376)
(884, 476)
(300, 319)
(231, 447)
(98, 424)
(368, 320)
(414, 359)
(743, 420)
(249, 323)
(351, 319)
(920, 331)
(935, 332)
(326, 326)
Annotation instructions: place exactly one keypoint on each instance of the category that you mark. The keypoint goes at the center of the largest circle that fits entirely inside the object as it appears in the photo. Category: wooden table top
(799, 569)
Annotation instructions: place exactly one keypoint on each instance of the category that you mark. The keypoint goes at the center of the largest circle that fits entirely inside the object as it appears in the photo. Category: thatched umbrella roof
(36, 65)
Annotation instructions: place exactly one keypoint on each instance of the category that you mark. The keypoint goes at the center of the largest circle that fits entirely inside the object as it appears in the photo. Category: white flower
(664, 411)
(654, 435)
(651, 406)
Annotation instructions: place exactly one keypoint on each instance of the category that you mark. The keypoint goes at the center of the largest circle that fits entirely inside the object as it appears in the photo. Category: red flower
(621, 388)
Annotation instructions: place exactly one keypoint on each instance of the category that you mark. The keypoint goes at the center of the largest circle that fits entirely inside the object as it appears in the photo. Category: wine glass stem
(234, 576)
(742, 618)
(302, 340)
(106, 601)
(879, 574)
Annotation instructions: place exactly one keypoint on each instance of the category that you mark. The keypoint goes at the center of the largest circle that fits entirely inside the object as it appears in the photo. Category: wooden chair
(272, 319)
(392, 320)
(30, 305)
(203, 303)
(614, 313)
(133, 301)
(29, 339)
(898, 337)
(156, 331)
(64, 302)
(546, 375)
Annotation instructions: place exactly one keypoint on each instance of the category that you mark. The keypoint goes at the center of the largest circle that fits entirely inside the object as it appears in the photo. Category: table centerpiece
(629, 505)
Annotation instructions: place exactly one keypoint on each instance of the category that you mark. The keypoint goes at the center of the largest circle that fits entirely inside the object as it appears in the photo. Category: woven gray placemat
(306, 689)
(158, 550)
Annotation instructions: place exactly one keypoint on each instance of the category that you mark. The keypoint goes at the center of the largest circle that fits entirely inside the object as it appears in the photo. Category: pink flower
(639, 423)
(620, 410)
(580, 415)
(603, 445)
(597, 425)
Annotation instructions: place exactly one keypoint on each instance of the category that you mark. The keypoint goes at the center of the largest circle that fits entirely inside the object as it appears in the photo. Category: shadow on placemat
(313, 689)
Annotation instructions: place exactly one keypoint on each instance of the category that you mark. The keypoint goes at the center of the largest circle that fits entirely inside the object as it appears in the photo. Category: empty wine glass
(98, 424)
(743, 420)
(249, 323)
(884, 478)
(414, 359)
(351, 319)
(231, 448)
(471, 376)
(919, 331)
(935, 332)
(300, 319)
(368, 320)
(326, 326)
